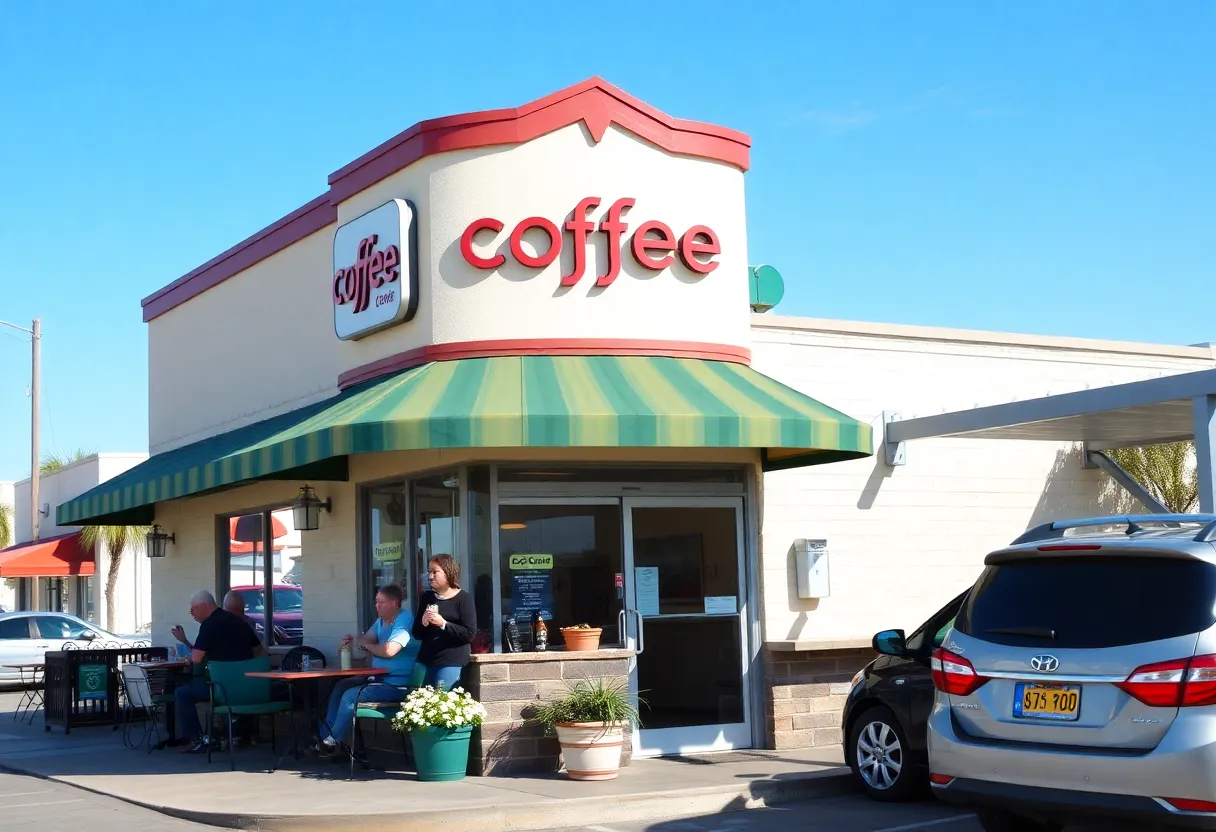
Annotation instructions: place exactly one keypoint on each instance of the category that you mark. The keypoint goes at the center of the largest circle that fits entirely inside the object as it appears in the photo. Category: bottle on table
(540, 633)
(513, 640)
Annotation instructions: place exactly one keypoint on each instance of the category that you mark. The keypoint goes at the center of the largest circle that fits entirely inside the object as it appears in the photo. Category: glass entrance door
(686, 616)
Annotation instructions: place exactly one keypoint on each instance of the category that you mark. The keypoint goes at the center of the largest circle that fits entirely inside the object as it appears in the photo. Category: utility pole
(35, 400)
(35, 397)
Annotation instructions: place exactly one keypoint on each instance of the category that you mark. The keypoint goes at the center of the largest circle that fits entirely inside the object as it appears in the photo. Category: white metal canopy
(1167, 409)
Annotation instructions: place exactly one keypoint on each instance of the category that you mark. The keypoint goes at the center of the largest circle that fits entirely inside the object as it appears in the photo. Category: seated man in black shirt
(222, 637)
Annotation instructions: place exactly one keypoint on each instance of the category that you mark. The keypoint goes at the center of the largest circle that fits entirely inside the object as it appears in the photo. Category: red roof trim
(308, 219)
(542, 346)
(53, 557)
(593, 102)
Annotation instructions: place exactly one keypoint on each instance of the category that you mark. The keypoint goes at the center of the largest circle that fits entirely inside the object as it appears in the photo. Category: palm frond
(113, 539)
(54, 460)
(1166, 471)
(6, 526)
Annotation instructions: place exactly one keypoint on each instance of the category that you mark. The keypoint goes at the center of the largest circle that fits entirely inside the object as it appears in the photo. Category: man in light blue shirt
(389, 643)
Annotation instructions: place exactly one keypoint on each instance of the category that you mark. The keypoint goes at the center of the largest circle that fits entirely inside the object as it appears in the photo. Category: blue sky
(1042, 167)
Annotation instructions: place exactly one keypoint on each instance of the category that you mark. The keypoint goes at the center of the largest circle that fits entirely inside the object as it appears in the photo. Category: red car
(288, 611)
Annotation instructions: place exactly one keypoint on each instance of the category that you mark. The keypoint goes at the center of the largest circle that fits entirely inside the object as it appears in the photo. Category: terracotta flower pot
(591, 750)
(577, 639)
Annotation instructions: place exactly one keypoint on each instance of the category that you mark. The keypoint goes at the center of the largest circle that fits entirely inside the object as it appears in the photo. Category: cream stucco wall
(132, 594)
(263, 343)
(905, 540)
(329, 562)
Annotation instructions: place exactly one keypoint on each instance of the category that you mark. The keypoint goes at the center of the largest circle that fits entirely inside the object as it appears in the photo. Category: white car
(25, 638)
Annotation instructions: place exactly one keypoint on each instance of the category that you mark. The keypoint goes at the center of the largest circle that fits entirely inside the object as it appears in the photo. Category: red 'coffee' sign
(372, 269)
(654, 245)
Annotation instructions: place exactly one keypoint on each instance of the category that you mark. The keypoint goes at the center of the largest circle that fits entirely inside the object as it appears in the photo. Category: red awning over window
(55, 557)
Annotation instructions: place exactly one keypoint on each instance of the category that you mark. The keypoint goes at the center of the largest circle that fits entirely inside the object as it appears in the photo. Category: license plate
(1035, 701)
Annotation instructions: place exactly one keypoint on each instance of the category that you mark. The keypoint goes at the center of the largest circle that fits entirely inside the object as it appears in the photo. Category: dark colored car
(886, 714)
(288, 611)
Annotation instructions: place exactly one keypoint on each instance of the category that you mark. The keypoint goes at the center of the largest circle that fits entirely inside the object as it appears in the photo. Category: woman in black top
(444, 624)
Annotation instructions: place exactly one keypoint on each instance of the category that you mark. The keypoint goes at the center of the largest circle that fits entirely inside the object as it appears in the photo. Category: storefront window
(562, 560)
(263, 564)
(84, 598)
(387, 530)
(480, 581)
(53, 594)
(436, 506)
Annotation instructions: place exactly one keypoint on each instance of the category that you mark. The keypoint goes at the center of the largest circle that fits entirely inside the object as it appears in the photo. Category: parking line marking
(925, 824)
(45, 803)
(601, 829)
(25, 794)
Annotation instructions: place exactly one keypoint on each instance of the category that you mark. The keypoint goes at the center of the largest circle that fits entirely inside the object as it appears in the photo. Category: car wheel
(1002, 820)
(878, 756)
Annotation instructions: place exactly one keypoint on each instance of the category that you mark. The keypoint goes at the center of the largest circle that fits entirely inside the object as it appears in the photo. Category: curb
(525, 817)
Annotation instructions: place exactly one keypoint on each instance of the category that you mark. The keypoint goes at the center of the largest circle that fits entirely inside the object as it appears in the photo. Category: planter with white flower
(590, 722)
(440, 723)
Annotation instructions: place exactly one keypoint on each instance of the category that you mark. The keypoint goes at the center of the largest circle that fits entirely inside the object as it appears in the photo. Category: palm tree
(115, 540)
(1165, 471)
(55, 461)
(6, 526)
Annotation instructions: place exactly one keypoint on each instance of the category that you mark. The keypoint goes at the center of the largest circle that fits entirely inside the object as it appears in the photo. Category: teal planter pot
(442, 753)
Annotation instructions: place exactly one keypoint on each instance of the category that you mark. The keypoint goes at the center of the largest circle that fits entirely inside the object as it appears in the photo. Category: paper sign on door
(646, 580)
(721, 604)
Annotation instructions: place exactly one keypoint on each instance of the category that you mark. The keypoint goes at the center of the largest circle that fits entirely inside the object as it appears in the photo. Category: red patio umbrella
(245, 533)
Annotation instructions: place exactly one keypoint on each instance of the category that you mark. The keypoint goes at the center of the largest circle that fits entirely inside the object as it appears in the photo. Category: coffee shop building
(534, 338)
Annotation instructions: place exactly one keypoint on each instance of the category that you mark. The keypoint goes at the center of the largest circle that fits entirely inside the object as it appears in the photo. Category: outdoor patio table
(163, 678)
(31, 684)
(308, 681)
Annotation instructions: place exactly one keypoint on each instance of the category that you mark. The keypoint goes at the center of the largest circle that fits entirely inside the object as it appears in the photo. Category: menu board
(531, 585)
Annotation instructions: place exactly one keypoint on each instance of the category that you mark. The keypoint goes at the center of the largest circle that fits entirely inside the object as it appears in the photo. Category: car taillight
(953, 674)
(1183, 804)
(1180, 683)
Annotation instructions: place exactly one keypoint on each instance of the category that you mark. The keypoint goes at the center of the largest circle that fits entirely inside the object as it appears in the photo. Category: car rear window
(1088, 602)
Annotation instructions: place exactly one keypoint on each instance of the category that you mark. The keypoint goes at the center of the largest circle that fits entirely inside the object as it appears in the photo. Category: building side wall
(905, 540)
(256, 345)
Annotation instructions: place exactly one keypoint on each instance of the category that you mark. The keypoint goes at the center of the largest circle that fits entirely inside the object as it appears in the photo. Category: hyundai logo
(1045, 664)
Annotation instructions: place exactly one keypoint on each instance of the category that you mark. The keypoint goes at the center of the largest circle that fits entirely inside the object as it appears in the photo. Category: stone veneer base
(512, 685)
(805, 692)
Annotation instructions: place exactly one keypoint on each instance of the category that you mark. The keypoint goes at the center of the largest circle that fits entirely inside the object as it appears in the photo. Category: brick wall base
(805, 693)
(511, 686)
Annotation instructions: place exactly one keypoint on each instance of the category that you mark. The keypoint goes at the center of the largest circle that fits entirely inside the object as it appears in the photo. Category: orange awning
(55, 557)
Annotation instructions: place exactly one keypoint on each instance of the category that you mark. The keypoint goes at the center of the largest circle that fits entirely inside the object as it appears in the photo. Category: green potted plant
(590, 722)
(440, 723)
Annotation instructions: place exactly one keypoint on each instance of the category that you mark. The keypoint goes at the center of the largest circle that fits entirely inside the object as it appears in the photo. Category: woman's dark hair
(391, 592)
(451, 569)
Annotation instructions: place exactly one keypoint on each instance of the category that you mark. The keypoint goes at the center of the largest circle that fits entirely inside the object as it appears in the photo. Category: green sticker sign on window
(530, 562)
(91, 681)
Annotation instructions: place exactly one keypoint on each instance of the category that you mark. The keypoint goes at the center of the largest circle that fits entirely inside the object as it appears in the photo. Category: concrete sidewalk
(309, 794)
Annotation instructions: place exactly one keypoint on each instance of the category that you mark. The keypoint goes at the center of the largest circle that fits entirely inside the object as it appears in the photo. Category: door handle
(641, 633)
(620, 627)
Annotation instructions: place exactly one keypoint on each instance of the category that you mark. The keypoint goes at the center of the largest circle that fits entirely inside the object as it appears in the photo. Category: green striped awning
(500, 402)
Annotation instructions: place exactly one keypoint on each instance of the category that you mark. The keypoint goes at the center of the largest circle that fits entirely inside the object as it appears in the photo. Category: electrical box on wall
(811, 564)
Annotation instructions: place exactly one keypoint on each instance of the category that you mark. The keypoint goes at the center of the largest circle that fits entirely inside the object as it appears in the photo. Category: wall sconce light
(306, 509)
(513, 526)
(157, 541)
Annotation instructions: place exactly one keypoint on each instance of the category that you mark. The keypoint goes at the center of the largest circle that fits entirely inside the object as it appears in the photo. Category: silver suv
(1079, 681)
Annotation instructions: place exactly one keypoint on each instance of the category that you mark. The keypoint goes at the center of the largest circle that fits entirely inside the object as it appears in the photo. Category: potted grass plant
(440, 723)
(590, 721)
